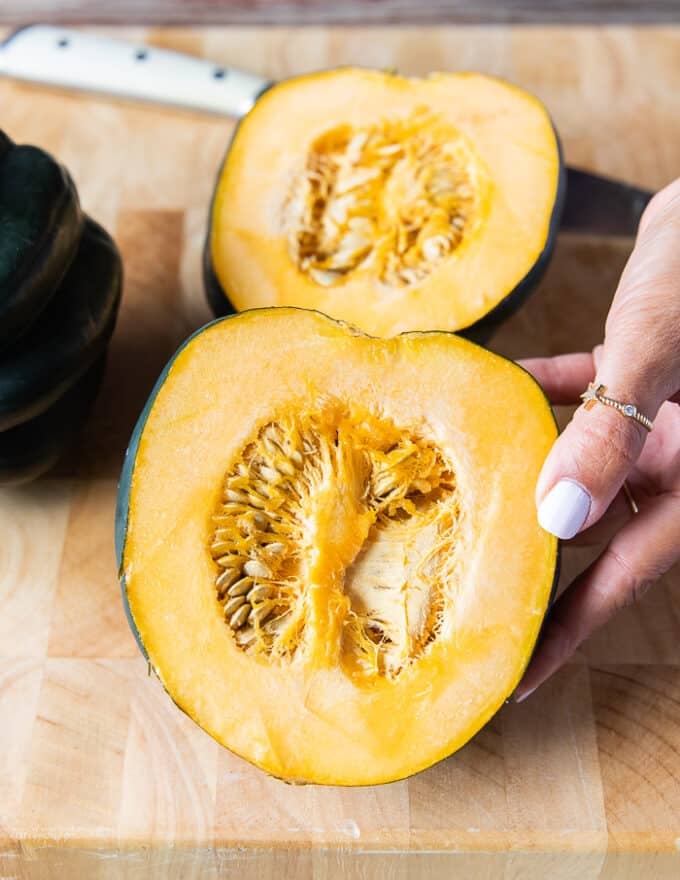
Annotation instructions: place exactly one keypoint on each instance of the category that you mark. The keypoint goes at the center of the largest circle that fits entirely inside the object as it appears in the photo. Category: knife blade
(597, 205)
(74, 59)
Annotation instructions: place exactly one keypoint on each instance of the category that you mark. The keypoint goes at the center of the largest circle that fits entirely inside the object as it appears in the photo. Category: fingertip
(552, 650)
(564, 510)
(521, 694)
(585, 469)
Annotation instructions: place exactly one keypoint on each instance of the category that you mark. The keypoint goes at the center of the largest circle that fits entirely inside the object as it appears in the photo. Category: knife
(73, 59)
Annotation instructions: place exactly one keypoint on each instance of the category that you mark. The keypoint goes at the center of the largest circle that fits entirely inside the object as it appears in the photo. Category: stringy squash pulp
(329, 544)
(396, 204)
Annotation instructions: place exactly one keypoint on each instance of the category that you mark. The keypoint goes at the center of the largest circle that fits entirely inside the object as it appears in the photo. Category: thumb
(639, 364)
(592, 457)
(587, 466)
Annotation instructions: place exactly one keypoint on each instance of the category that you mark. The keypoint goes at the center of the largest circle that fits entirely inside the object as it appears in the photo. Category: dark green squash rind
(218, 301)
(483, 329)
(71, 334)
(217, 297)
(32, 448)
(5, 142)
(42, 223)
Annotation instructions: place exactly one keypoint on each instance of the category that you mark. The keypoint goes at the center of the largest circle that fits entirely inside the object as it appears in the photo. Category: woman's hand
(582, 478)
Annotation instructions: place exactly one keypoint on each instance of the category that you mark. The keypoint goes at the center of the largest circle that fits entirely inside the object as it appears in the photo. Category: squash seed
(260, 593)
(239, 618)
(256, 568)
(234, 495)
(241, 587)
(233, 604)
(219, 548)
(270, 474)
(226, 560)
(261, 612)
(228, 577)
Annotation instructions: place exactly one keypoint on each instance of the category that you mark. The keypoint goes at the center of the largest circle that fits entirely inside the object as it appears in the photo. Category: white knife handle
(74, 59)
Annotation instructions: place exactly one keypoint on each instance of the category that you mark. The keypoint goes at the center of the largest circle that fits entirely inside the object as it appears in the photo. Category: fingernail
(520, 697)
(564, 509)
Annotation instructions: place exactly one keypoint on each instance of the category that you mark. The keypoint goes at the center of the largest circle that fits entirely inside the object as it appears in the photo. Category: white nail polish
(564, 509)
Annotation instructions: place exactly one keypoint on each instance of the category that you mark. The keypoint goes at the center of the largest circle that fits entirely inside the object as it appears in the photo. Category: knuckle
(640, 589)
(552, 370)
(612, 440)
(630, 585)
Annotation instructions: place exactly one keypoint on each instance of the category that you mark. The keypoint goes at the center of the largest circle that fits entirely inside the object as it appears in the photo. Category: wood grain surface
(100, 774)
(310, 12)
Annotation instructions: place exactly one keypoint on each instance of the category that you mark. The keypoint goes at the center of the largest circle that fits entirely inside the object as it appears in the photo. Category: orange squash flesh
(317, 712)
(424, 155)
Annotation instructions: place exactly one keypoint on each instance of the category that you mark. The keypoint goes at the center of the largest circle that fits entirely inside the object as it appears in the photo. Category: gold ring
(595, 394)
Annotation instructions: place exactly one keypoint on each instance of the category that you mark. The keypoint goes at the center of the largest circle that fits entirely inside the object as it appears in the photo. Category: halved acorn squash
(328, 542)
(396, 204)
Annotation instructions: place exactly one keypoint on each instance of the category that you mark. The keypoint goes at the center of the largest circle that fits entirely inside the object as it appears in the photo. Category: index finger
(641, 552)
(562, 377)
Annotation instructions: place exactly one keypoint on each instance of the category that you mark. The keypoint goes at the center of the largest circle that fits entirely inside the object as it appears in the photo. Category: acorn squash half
(328, 542)
(396, 204)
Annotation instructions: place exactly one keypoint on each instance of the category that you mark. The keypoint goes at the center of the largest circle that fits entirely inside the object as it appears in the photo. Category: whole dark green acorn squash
(41, 223)
(31, 448)
(60, 288)
(69, 335)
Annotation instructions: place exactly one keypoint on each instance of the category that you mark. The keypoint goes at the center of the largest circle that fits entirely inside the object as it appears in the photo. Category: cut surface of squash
(396, 204)
(328, 542)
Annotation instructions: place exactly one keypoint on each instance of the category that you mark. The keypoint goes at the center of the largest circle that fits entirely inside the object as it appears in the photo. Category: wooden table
(100, 775)
(295, 12)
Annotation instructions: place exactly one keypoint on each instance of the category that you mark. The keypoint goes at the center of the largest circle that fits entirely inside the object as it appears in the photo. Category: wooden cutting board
(100, 774)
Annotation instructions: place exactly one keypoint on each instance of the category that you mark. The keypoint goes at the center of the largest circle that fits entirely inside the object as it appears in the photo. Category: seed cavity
(378, 506)
(396, 199)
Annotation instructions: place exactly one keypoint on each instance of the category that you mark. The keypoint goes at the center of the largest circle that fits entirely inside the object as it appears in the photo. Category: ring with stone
(596, 394)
